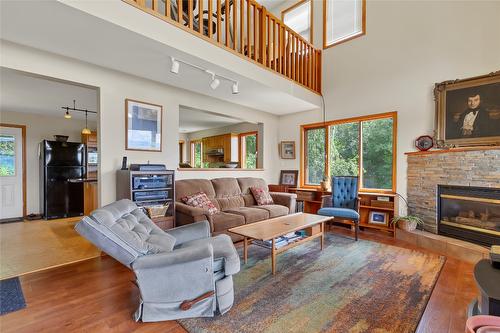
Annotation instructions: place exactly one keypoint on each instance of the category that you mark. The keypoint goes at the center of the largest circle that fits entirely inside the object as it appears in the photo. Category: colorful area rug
(11, 296)
(348, 287)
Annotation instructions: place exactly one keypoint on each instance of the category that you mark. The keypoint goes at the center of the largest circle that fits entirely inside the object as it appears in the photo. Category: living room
(376, 84)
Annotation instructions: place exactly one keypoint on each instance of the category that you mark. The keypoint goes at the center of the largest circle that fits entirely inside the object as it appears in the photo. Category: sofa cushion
(261, 196)
(274, 210)
(187, 187)
(251, 214)
(227, 193)
(223, 221)
(223, 248)
(200, 200)
(125, 221)
(345, 213)
(245, 184)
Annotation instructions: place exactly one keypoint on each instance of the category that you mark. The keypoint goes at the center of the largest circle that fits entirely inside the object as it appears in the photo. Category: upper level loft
(247, 29)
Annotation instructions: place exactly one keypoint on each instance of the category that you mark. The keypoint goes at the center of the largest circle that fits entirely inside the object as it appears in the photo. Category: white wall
(409, 46)
(114, 88)
(38, 128)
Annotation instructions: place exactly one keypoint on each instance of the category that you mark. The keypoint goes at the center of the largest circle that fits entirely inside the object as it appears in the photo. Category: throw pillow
(200, 200)
(262, 196)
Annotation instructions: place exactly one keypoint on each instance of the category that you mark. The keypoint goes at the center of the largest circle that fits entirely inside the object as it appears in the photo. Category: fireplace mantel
(475, 166)
(451, 150)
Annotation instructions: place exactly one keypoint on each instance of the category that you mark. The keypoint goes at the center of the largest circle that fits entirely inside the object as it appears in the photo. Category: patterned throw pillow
(261, 196)
(200, 200)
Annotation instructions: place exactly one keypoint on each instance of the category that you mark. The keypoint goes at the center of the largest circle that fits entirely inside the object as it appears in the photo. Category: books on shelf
(281, 241)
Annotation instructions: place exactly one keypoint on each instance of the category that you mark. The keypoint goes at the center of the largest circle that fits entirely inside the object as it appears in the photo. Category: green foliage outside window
(7, 155)
(198, 161)
(315, 158)
(251, 152)
(344, 149)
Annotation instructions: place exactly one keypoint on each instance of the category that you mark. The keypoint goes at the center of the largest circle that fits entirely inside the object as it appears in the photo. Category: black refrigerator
(62, 172)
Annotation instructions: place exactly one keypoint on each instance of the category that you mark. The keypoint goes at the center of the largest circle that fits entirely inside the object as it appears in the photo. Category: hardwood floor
(97, 295)
(31, 246)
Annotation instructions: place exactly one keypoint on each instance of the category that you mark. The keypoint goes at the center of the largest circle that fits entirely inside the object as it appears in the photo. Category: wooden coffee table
(279, 226)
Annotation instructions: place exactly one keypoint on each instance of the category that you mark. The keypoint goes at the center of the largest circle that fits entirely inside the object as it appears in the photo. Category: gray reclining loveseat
(181, 273)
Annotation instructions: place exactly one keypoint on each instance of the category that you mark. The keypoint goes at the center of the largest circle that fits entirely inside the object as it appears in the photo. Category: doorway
(12, 172)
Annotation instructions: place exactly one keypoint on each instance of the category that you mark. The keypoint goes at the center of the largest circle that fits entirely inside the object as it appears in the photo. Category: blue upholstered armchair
(343, 203)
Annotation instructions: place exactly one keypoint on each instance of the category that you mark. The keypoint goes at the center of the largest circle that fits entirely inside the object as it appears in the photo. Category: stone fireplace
(433, 174)
(469, 213)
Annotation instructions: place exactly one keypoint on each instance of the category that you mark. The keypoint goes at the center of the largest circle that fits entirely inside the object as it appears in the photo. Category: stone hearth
(461, 166)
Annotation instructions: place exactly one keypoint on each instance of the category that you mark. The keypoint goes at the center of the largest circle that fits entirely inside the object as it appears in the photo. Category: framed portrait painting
(143, 123)
(468, 111)
(287, 150)
(289, 177)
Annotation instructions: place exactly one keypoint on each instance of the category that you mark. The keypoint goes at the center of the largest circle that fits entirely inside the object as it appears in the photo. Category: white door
(11, 172)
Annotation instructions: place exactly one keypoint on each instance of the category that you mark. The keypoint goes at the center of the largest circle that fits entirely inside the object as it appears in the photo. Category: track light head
(67, 115)
(215, 83)
(235, 89)
(174, 68)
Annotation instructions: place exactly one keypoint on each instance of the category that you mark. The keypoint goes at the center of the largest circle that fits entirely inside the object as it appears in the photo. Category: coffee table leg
(273, 257)
(245, 249)
(322, 226)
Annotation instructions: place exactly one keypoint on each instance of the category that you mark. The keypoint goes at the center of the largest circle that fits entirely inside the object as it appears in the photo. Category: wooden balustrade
(246, 28)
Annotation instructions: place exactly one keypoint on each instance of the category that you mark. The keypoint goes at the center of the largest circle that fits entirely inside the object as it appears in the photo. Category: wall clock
(424, 143)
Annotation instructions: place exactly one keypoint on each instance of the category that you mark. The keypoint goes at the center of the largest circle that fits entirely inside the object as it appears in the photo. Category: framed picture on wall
(287, 150)
(468, 111)
(143, 123)
(289, 177)
(379, 218)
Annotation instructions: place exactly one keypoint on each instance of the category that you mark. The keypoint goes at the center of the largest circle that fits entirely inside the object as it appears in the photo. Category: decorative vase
(407, 225)
(325, 185)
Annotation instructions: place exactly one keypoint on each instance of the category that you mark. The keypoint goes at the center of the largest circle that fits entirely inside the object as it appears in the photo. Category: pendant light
(67, 115)
(86, 130)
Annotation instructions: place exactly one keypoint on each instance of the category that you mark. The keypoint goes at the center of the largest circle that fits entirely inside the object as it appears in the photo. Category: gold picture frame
(463, 120)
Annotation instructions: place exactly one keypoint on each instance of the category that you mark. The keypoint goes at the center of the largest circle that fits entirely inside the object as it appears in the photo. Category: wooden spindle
(242, 25)
(154, 4)
(235, 24)
(254, 32)
(210, 9)
(249, 46)
(262, 35)
(268, 41)
(275, 56)
(190, 13)
(179, 12)
(219, 21)
(200, 17)
(167, 8)
(226, 21)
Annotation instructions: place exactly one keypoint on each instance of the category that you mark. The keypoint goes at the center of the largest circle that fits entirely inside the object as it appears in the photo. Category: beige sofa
(234, 200)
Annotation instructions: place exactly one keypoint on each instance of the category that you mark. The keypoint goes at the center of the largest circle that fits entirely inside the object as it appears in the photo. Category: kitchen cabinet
(89, 197)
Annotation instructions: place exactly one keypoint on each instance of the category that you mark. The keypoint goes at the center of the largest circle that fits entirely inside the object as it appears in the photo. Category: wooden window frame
(181, 150)
(295, 5)
(343, 40)
(241, 156)
(303, 159)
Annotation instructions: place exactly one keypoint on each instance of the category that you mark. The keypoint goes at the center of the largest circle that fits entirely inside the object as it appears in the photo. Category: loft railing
(247, 29)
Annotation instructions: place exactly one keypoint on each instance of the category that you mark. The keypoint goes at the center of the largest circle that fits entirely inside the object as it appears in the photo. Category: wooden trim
(23, 136)
(311, 19)
(326, 124)
(127, 100)
(362, 33)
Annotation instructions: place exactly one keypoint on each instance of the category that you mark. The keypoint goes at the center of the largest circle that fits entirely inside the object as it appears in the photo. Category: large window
(248, 149)
(363, 146)
(343, 20)
(299, 18)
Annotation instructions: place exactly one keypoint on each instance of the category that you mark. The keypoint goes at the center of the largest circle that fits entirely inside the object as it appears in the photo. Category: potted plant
(408, 222)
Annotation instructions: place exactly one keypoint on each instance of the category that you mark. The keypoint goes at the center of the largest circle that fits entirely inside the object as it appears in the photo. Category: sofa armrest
(176, 276)
(190, 210)
(189, 232)
(326, 201)
(285, 199)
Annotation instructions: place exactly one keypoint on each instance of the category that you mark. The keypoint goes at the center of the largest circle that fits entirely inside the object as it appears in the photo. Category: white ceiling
(56, 27)
(21, 92)
(193, 120)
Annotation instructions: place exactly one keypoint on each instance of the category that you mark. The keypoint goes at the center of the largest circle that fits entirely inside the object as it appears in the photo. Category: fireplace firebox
(469, 213)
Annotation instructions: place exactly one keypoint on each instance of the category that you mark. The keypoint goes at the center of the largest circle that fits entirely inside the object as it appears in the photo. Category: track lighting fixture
(67, 115)
(214, 82)
(174, 68)
(235, 89)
